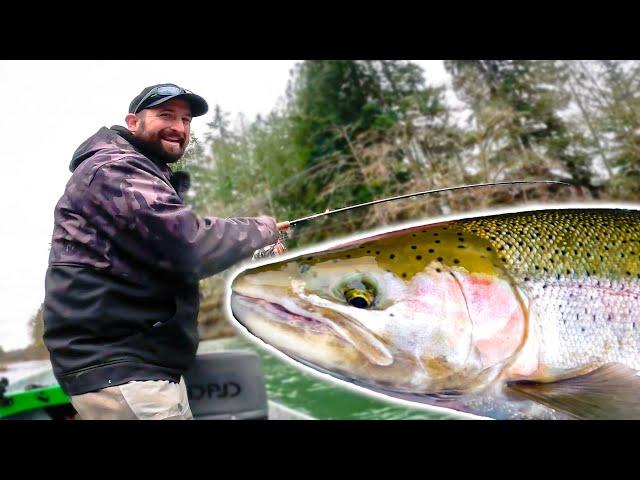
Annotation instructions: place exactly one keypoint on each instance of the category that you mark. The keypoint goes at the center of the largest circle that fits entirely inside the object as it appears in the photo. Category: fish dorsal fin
(611, 392)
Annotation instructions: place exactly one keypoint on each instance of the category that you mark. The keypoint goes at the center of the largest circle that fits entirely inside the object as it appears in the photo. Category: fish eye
(359, 298)
(358, 291)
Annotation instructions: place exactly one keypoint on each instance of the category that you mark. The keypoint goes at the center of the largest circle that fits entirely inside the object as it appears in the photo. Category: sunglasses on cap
(161, 91)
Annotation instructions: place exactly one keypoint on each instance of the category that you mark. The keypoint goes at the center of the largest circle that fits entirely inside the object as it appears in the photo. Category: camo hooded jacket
(121, 290)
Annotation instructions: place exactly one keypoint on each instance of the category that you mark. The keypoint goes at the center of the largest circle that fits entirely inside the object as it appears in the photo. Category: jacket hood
(103, 138)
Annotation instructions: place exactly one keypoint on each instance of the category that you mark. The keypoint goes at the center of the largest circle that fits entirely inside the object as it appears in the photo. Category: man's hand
(283, 226)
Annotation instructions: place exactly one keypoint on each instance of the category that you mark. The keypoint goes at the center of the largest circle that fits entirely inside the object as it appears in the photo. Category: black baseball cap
(163, 92)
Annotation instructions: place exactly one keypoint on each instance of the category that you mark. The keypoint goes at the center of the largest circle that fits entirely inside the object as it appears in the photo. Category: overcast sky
(53, 106)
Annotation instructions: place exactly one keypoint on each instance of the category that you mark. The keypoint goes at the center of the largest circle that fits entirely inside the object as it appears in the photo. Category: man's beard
(155, 148)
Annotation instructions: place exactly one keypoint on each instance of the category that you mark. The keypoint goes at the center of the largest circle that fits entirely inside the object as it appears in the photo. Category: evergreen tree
(518, 131)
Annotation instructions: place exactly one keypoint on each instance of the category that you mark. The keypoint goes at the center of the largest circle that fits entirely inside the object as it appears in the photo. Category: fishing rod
(274, 249)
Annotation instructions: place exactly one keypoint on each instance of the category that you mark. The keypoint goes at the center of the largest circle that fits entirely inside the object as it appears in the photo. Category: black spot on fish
(392, 256)
(437, 241)
(536, 267)
(309, 258)
(413, 247)
(404, 275)
(418, 257)
(431, 250)
(488, 249)
(629, 273)
(440, 259)
(391, 315)
(526, 279)
(568, 272)
(461, 239)
(582, 329)
(377, 252)
(455, 260)
(435, 234)
(461, 246)
(349, 256)
(438, 270)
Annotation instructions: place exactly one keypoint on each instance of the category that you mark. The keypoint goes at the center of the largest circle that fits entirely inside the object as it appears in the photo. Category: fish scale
(581, 277)
(569, 243)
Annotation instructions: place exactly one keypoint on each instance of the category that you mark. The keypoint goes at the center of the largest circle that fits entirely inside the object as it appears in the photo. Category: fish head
(383, 320)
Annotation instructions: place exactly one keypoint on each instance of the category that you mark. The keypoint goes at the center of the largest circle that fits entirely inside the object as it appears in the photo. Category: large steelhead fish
(510, 315)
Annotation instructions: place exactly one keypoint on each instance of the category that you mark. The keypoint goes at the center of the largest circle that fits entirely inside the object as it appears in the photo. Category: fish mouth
(309, 323)
(275, 312)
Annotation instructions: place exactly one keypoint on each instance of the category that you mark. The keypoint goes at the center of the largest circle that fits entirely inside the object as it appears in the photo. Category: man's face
(165, 129)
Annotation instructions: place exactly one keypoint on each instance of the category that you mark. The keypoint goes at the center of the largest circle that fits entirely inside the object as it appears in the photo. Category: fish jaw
(298, 336)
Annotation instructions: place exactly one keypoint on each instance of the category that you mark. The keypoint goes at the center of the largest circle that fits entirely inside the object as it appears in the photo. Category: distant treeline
(350, 131)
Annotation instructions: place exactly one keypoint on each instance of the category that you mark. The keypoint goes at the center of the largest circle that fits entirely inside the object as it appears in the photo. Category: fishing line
(279, 246)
